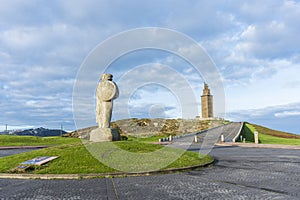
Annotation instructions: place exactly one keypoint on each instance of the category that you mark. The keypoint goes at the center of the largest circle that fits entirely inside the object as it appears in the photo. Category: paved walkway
(7, 152)
(21, 147)
(207, 138)
(240, 173)
(273, 146)
(229, 131)
(10, 150)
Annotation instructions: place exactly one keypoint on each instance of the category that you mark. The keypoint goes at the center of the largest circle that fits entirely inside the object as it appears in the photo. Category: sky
(254, 45)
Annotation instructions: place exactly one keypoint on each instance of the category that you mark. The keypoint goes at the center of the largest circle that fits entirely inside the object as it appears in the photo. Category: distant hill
(42, 132)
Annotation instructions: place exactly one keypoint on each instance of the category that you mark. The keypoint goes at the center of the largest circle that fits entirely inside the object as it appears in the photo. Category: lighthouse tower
(207, 103)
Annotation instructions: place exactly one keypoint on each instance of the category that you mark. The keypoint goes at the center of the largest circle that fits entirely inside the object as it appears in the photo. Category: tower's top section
(206, 90)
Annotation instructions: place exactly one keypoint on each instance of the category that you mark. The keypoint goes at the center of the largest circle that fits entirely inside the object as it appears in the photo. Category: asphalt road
(207, 139)
(8, 152)
(240, 173)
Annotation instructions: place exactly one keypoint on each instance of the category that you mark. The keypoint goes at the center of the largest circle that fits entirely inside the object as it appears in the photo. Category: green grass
(269, 139)
(73, 158)
(137, 146)
(154, 138)
(269, 136)
(13, 140)
(76, 159)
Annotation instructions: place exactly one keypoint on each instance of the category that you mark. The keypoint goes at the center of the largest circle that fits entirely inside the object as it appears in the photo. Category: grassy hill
(74, 158)
(268, 131)
(269, 136)
(150, 127)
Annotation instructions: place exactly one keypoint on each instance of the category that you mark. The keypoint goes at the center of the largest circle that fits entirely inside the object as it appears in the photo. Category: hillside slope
(150, 127)
(268, 136)
(268, 131)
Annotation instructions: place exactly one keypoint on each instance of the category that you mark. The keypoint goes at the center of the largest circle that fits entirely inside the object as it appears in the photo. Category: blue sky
(254, 44)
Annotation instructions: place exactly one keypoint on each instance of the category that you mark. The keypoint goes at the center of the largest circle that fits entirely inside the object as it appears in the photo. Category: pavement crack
(111, 191)
(254, 187)
(115, 188)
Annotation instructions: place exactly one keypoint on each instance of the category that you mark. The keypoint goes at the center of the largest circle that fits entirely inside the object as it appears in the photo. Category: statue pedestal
(104, 135)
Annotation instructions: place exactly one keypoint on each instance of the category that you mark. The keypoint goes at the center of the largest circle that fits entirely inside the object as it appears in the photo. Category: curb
(273, 146)
(100, 175)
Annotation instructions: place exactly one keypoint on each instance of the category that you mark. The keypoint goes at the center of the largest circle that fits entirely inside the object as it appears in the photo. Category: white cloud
(271, 40)
(154, 98)
(287, 114)
(284, 117)
(152, 84)
(262, 90)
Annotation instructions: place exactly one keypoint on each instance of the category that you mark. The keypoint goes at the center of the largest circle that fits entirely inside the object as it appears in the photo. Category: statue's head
(106, 77)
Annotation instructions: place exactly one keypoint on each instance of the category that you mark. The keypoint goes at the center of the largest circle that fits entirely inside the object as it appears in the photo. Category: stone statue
(107, 91)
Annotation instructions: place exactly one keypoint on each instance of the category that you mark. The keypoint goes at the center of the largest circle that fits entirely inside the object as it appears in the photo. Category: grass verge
(269, 139)
(76, 159)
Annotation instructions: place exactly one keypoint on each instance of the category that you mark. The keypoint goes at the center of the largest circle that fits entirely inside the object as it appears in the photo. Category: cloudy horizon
(254, 46)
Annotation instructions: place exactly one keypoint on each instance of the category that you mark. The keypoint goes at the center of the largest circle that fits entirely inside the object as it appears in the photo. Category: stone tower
(207, 103)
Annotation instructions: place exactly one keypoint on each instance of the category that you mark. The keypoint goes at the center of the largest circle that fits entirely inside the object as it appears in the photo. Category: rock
(104, 135)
